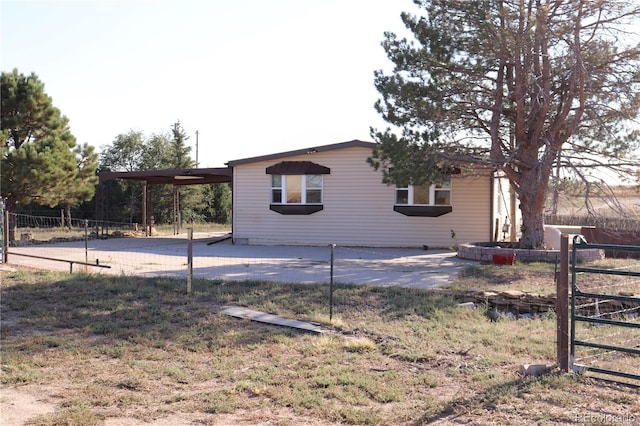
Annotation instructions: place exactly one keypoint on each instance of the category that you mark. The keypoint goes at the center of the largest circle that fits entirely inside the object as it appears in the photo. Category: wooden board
(246, 313)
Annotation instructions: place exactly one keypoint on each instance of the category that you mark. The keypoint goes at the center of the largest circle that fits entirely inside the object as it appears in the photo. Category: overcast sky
(253, 77)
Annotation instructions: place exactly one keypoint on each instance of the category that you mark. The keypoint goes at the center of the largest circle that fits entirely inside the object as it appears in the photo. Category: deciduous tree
(133, 151)
(125, 154)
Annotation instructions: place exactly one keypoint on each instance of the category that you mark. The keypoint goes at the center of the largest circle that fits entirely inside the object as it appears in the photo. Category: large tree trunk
(68, 216)
(532, 193)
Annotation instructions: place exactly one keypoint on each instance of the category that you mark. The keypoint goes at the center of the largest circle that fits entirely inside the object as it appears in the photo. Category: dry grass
(102, 347)
(48, 234)
(602, 201)
(537, 278)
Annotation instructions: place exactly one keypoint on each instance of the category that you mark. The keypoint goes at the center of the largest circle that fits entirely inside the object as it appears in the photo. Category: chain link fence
(213, 256)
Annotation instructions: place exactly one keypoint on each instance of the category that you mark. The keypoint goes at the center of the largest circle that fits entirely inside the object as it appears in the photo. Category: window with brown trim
(296, 189)
(296, 194)
(429, 200)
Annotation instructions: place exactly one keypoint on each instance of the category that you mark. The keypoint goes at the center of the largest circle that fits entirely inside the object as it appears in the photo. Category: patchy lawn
(89, 350)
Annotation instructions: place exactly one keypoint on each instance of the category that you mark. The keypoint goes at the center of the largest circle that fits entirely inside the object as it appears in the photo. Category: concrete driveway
(167, 256)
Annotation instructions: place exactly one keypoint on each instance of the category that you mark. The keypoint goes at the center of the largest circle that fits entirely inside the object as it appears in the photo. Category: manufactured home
(330, 195)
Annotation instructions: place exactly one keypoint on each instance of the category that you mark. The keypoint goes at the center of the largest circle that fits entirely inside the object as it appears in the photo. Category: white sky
(253, 77)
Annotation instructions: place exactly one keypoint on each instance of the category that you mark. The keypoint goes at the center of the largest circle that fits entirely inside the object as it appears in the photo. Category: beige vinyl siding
(358, 208)
(502, 208)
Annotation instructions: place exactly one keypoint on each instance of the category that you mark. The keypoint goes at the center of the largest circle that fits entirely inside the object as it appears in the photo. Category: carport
(175, 177)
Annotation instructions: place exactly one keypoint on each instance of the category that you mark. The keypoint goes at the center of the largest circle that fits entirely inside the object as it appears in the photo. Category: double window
(296, 189)
(437, 194)
(424, 200)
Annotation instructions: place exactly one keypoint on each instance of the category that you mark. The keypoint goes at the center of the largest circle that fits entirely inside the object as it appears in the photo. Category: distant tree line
(134, 151)
(43, 170)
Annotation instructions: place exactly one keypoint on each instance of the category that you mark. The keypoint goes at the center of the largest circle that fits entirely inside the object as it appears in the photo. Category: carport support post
(144, 209)
(189, 259)
(331, 285)
(562, 306)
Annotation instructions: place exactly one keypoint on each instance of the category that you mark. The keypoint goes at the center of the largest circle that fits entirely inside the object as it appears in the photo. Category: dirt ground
(19, 405)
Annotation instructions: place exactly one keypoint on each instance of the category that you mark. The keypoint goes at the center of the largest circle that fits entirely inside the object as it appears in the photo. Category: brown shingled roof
(310, 150)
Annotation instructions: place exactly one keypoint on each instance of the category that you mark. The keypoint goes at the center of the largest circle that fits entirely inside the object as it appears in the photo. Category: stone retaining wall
(485, 254)
(521, 302)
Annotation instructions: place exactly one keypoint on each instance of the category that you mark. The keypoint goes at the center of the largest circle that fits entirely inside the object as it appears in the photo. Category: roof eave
(305, 151)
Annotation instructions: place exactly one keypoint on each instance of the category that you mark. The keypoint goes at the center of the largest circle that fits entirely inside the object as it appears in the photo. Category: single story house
(330, 195)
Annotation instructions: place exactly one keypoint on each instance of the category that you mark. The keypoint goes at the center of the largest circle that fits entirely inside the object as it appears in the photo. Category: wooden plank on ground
(246, 313)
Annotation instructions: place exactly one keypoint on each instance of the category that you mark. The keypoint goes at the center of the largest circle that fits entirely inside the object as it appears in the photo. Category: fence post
(189, 259)
(8, 233)
(562, 306)
(86, 241)
(331, 285)
(85, 269)
(3, 228)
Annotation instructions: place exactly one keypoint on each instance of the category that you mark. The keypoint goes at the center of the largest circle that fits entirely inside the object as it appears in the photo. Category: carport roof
(173, 176)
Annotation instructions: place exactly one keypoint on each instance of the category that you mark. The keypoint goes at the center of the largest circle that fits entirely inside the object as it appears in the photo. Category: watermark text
(607, 419)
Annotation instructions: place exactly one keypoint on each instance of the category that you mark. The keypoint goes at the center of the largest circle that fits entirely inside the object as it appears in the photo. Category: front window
(296, 189)
(442, 193)
(313, 189)
(437, 194)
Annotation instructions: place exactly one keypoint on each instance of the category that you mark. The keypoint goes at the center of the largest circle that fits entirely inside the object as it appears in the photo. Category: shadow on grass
(154, 310)
(158, 309)
(485, 276)
(542, 392)
(493, 274)
(482, 404)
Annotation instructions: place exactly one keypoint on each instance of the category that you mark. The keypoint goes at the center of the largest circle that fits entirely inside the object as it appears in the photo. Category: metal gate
(605, 312)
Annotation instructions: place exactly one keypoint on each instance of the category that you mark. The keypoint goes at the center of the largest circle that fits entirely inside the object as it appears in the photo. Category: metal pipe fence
(605, 314)
(29, 229)
(205, 259)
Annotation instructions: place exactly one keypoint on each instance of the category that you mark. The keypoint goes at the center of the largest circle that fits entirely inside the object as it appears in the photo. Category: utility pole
(197, 133)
